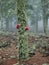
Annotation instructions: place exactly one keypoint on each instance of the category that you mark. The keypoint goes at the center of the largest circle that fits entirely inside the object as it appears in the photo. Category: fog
(12, 27)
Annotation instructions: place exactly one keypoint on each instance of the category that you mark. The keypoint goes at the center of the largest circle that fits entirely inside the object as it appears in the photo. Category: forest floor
(8, 55)
(37, 59)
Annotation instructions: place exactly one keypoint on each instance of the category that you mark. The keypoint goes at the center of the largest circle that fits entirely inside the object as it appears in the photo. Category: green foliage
(7, 5)
(32, 49)
(22, 34)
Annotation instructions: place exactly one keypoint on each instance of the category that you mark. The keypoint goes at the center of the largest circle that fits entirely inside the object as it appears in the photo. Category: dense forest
(37, 13)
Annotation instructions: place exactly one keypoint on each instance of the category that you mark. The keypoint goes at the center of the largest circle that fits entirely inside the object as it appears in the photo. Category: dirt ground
(6, 53)
(38, 59)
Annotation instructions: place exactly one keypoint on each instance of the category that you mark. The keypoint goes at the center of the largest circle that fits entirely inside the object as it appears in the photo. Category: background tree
(7, 9)
(33, 11)
(45, 17)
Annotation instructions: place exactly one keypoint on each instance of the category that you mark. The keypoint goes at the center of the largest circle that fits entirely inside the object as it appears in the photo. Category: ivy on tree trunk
(22, 34)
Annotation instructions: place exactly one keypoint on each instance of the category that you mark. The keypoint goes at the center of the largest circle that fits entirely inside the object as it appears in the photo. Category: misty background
(34, 10)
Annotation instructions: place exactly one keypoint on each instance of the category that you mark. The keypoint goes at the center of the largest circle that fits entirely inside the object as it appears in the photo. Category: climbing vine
(22, 30)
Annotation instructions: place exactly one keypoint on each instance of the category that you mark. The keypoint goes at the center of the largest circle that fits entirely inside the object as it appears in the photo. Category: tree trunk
(45, 24)
(1, 24)
(36, 26)
(7, 24)
(45, 18)
(23, 42)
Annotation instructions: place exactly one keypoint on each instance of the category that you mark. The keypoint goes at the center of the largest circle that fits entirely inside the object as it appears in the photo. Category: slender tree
(45, 18)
